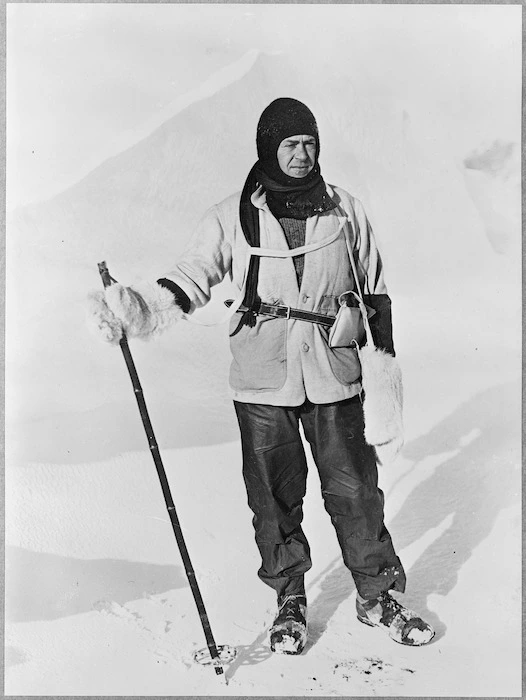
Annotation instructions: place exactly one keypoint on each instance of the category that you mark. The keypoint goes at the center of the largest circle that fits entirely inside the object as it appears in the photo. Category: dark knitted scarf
(298, 200)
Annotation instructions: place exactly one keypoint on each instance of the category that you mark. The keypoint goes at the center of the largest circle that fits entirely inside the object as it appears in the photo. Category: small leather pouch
(348, 328)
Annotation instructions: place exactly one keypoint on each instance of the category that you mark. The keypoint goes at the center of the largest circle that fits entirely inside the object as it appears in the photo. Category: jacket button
(305, 347)
(304, 298)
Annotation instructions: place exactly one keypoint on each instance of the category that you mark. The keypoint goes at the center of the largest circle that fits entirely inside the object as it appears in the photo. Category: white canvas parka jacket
(280, 361)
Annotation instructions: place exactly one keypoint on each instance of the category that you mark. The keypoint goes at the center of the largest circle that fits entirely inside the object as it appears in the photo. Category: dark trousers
(275, 474)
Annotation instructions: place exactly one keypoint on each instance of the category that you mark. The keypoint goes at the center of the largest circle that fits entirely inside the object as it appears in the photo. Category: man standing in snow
(286, 370)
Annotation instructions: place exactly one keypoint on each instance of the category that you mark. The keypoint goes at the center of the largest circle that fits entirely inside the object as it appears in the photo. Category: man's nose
(301, 152)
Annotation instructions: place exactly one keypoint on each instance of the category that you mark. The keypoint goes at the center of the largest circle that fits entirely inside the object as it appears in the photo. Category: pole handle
(107, 279)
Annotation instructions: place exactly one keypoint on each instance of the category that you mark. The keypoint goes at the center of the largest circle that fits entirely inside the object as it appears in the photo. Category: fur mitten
(382, 406)
(101, 321)
(142, 311)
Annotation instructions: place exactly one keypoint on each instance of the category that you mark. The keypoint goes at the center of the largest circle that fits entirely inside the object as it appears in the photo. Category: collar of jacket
(259, 197)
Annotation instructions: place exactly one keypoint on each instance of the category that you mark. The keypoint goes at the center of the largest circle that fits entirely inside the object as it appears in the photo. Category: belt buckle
(277, 310)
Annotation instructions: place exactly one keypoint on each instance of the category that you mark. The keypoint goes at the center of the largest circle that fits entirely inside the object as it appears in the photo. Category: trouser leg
(275, 474)
(349, 483)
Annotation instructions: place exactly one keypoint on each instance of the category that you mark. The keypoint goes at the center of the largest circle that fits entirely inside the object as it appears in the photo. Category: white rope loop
(266, 253)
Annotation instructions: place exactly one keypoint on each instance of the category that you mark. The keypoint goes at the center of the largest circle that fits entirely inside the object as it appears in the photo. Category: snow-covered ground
(97, 602)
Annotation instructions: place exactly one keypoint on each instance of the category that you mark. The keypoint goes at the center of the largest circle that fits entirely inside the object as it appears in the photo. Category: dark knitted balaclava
(283, 118)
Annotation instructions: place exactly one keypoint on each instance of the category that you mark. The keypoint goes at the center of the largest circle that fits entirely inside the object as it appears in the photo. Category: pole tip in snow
(225, 654)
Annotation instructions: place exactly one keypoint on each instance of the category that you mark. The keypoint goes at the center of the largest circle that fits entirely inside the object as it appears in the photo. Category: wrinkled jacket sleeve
(205, 261)
(371, 276)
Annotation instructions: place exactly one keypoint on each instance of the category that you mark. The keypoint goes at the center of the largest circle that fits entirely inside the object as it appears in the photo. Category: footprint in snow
(371, 670)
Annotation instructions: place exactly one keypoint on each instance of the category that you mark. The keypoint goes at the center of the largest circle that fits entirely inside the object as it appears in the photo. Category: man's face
(296, 155)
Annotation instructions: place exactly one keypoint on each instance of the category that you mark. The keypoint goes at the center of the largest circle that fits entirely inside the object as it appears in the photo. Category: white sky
(81, 75)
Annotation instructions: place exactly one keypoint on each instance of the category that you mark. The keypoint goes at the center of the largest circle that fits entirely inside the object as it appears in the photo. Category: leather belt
(288, 312)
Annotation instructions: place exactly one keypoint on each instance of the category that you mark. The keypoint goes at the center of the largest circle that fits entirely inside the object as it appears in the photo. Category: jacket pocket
(344, 362)
(259, 355)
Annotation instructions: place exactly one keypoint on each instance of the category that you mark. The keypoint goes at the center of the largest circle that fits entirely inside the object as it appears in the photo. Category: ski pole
(107, 281)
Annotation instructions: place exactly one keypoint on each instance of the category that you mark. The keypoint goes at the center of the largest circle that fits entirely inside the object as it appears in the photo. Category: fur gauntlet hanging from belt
(382, 383)
(142, 311)
(383, 402)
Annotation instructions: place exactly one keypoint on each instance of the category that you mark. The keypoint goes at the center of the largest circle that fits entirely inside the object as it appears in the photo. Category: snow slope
(111, 581)
(110, 612)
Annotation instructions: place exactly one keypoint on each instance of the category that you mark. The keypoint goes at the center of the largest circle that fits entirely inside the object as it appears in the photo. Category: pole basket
(226, 653)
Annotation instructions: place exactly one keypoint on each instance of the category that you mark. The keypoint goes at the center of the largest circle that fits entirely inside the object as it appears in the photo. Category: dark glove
(381, 325)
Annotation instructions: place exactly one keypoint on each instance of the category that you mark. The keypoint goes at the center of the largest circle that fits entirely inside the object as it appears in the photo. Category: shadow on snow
(43, 586)
(471, 488)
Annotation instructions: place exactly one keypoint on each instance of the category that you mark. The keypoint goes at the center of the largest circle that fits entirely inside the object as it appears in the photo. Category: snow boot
(401, 624)
(288, 634)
